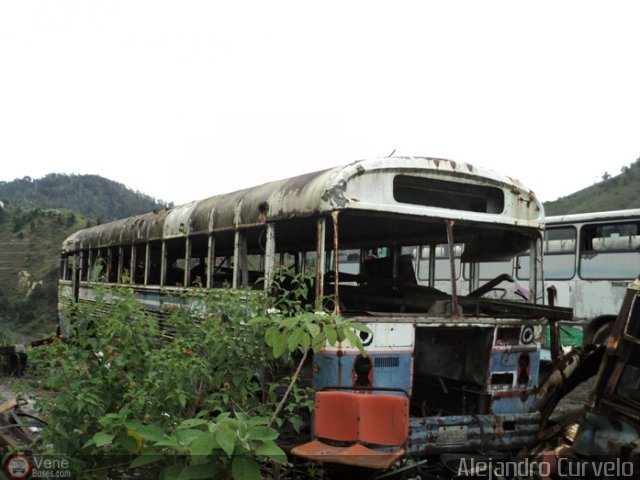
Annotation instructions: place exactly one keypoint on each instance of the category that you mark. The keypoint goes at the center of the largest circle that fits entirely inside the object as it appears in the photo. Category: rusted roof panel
(362, 185)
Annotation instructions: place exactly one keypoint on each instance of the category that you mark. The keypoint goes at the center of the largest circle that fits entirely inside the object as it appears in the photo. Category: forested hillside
(612, 193)
(35, 216)
(30, 242)
(92, 196)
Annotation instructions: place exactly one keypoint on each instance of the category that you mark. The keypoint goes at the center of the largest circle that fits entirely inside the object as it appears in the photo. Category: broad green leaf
(305, 340)
(279, 345)
(352, 337)
(134, 425)
(101, 438)
(245, 468)
(129, 443)
(288, 322)
(203, 445)
(153, 433)
(226, 438)
(264, 434)
(224, 416)
(314, 329)
(259, 421)
(186, 436)
(272, 451)
(293, 340)
(296, 422)
(360, 327)
(192, 422)
(332, 337)
(170, 443)
(271, 334)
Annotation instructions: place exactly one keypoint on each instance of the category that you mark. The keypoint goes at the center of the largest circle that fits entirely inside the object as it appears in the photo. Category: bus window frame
(583, 252)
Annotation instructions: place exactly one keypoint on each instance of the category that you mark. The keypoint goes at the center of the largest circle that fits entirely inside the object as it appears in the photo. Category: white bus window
(560, 253)
(490, 270)
(610, 251)
(349, 261)
(443, 270)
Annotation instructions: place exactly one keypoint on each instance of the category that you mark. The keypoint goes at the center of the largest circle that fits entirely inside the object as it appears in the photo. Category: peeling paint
(335, 195)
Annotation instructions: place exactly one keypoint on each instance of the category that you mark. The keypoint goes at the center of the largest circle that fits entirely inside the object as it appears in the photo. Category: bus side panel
(429, 435)
(591, 296)
(521, 367)
(388, 362)
(388, 369)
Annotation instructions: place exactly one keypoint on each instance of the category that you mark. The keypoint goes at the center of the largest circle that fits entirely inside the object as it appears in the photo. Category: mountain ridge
(617, 192)
(92, 196)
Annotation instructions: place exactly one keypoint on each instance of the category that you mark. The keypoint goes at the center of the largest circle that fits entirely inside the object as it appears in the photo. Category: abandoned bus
(444, 370)
(610, 428)
(590, 258)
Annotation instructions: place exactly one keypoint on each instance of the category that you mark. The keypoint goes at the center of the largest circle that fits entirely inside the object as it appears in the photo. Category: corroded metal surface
(363, 185)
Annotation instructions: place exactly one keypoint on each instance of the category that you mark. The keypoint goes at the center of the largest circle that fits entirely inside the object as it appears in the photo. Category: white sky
(186, 99)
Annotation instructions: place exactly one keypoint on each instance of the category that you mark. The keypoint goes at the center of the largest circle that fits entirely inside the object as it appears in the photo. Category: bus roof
(593, 216)
(411, 186)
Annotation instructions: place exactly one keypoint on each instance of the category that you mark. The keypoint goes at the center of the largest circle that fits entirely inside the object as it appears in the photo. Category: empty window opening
(444, 194)
(502, 379)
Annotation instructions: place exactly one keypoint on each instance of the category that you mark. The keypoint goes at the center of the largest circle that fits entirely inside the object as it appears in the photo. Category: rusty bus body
(611, 426)
(467, 364)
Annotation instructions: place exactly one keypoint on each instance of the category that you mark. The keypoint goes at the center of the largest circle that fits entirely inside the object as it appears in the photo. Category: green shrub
(181, 397)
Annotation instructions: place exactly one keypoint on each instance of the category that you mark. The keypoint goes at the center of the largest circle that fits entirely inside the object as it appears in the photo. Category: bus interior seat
(380, 420)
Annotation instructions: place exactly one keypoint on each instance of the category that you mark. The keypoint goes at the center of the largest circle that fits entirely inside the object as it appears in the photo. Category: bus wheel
(598, 330)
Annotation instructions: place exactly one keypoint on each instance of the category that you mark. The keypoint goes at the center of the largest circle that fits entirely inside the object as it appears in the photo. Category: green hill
(612, 193)
(29, 251)
(35, 217)
(92, 196)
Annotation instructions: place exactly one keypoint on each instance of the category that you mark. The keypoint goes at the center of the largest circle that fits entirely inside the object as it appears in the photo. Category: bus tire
(598, 330)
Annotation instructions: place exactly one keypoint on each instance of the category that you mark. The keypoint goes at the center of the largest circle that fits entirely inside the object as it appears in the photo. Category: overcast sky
(186, 99)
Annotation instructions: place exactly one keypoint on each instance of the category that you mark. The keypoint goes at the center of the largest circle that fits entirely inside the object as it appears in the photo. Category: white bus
(590, 259)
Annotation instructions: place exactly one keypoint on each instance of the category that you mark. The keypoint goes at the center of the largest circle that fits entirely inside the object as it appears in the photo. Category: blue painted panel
(459, 433)
(598, 435)
(502, 406)
(392, 370)
(508, 362)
